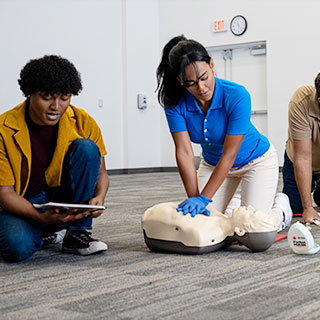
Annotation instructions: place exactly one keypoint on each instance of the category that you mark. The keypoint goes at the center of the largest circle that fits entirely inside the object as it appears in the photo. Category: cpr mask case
(301, 240)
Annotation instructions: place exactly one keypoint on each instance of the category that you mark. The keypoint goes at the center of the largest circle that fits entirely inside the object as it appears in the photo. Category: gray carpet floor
(130, 282)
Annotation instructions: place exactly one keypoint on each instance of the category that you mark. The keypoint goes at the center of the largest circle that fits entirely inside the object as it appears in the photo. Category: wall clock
(238, 25)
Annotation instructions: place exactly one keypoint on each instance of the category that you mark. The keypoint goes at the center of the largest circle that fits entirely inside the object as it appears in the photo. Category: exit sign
(220, 25)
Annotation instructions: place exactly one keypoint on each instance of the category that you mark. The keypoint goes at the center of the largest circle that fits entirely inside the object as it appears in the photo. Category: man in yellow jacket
(50, 151)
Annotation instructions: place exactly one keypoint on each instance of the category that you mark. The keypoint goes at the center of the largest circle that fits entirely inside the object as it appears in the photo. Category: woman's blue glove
(195, 205)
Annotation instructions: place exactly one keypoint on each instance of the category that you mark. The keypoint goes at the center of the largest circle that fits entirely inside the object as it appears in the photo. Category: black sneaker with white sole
(80, 242)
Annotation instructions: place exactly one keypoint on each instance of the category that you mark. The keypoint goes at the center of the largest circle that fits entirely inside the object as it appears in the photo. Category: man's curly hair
(317, 84)
(51, 75)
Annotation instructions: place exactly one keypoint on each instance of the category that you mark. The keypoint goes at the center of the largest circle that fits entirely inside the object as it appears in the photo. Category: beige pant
(258, 178)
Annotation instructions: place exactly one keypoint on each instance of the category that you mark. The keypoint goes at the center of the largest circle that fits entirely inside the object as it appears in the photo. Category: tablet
(67, 206)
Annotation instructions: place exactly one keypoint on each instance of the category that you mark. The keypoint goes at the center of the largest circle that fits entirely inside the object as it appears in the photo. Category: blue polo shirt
(229, 113)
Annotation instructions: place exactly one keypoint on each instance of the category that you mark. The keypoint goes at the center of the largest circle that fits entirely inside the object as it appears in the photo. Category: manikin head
(247, 219)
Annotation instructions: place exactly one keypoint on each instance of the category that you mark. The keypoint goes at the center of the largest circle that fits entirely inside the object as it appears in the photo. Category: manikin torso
(163, 222)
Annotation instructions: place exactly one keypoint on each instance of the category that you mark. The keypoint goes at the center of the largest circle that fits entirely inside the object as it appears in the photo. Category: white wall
(142, 127)
(115, 46)
(290, 28)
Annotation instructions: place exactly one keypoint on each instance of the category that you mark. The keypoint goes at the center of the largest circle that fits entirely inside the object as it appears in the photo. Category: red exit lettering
(219, 25)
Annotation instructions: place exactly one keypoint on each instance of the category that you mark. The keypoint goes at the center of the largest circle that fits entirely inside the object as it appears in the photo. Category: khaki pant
(258, 178)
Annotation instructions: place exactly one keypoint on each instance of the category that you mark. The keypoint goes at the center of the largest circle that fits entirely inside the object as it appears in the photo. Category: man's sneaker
(80, 242)
(52, 238)
(282, 202)
(234, 203)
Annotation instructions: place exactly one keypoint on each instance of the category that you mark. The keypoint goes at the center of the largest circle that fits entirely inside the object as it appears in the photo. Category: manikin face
(47, 110)
(200, 81)
(247, 219)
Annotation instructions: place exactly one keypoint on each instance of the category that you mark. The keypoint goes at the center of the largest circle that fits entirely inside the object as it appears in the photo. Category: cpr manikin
(167, 230)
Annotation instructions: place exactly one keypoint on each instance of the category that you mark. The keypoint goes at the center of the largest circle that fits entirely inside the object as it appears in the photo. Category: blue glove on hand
(195, 205)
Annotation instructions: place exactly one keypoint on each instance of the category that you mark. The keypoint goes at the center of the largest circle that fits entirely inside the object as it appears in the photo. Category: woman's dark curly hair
(50, 75)
(176, 55)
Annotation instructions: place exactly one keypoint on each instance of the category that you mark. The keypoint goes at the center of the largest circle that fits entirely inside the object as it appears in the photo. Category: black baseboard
(147, 170)
(142, 170)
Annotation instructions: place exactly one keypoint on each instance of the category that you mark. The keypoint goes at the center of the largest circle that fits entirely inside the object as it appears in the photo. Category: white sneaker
(282, 202)
(234, 203)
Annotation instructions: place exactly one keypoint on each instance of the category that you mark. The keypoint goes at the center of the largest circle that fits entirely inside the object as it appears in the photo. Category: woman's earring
(181, 83)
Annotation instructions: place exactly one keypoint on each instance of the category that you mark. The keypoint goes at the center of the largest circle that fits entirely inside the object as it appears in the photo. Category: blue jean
(290, 187)
(21, 237)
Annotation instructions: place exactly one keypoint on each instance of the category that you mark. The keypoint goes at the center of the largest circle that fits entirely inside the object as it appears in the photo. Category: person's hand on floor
(195, 205)
(310, 215)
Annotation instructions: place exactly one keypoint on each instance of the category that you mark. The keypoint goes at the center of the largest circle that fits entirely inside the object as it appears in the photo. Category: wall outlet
(142, 101)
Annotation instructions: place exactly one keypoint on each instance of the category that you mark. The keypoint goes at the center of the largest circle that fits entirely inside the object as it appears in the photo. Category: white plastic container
(301, 240)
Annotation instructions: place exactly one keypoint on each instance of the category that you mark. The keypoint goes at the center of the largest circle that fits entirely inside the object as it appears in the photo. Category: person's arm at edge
(231, 147)
(185, 162)
(303, 174)
(13, 203)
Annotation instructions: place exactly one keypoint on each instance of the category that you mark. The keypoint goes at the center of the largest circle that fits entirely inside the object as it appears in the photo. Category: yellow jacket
(15, 146)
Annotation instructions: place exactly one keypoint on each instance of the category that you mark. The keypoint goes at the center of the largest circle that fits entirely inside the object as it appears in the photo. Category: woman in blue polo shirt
(216, 113)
